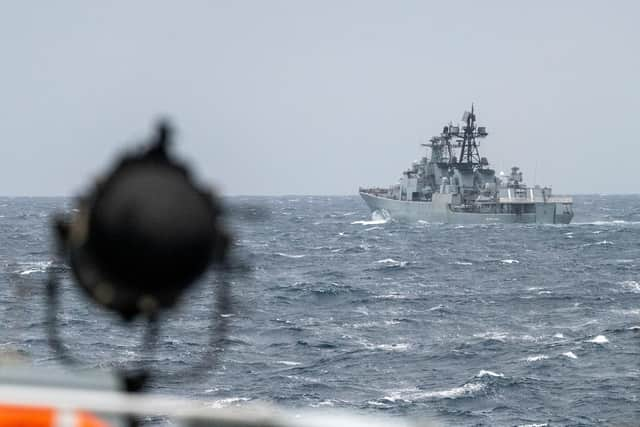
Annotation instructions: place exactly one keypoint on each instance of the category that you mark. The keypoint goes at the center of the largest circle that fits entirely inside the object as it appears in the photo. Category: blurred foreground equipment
(144, 234)
(136, 242)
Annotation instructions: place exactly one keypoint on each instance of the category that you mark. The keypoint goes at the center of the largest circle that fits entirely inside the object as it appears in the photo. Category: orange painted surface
(34, 416)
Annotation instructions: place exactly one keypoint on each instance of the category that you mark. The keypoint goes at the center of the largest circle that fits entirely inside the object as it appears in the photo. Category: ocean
(485, 325)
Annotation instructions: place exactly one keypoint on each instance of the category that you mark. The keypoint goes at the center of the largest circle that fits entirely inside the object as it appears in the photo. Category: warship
(463, 189)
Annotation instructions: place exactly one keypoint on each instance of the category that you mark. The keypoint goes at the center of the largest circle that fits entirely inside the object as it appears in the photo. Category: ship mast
(469, 154)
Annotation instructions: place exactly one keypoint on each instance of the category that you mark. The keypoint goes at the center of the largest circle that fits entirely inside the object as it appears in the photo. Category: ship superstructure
(457, 185)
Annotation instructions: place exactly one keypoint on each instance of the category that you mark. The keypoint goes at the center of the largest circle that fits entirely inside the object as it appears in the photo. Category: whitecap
(437, 307)
(452, 393)
(378, 404)
(614, 222)
(390, 262)
(462, 263)
(365, 325)
(493, 336)
(34, 267)
(628, 312)
(536, 358)
(373, 228)
(390, 296)
(483, 373)
(509, 261)
(371, 222)
(288, 363)
(223, 403)
(400, 347)
(290, 256)
(323, 403)
(600, 339)
(395, 347)
(634, 328)
(558, 335)
(570, 355)
(631, 286)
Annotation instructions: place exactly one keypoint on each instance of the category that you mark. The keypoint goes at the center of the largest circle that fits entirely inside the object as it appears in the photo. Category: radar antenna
(469, 153)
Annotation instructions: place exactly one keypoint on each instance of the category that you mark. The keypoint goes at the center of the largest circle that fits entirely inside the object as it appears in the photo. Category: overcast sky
(319, 97)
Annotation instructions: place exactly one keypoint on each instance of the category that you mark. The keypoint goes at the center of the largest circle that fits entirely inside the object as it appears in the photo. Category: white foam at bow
(377, 217)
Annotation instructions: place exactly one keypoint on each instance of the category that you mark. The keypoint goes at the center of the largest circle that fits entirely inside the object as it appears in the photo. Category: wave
(391, 296)
(400, 347)
(229, 401)
(492, 336)
(411, 395)
(631, 286)
(390, 262)
(289, 255)
(600, 339)
(355, 249)
(613, 222)
(288, 363)
(483, 373)
(537, 358)
(28, 268)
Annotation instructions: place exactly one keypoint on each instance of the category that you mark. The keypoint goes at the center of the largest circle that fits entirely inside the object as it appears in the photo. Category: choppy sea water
(467, 325)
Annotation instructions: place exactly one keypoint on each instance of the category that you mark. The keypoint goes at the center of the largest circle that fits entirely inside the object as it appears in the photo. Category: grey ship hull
(438, 211)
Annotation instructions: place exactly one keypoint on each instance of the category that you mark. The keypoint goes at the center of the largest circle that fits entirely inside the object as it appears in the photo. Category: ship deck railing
(536, 199)
(181, 412)
(376, 191)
